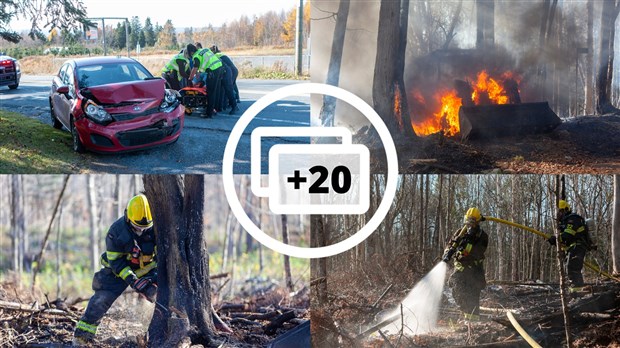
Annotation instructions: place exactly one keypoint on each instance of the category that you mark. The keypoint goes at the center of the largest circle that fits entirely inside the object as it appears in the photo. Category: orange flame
(486, 90)
(446, 120)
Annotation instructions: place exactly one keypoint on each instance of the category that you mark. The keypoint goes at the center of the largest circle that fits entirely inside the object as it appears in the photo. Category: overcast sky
(183, 13)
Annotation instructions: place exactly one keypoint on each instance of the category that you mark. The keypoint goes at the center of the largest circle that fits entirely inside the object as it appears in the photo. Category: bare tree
(287, 261)
(604, 75)
(94, 226)
(39, 258)
(177, 205)
(328, 110)
(385, 79)
(17, 223)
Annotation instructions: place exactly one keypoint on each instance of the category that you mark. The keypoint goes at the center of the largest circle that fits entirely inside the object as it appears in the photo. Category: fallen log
(29, 308)
(278, 322)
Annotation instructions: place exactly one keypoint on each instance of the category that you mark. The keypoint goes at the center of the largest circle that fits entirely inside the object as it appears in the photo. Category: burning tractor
(470, 101)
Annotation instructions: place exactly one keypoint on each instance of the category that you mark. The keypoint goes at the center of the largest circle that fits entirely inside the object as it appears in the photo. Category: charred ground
(353, 298)
(256, 320)
(586, 144)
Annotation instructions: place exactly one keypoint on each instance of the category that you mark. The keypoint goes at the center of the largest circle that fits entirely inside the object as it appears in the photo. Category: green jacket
(178, 63)
(205, 60)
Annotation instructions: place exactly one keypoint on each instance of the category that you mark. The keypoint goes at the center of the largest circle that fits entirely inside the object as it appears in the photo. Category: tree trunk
(177, 205)
(94, 230)
(39, 258)
(615, 231)
(385, 79)
(287, 261)
(605, 70)
(485, 24)
(560, 258)
(328, 110)
(402, 113)
(589, 60)
(319, 238)
(17, 223)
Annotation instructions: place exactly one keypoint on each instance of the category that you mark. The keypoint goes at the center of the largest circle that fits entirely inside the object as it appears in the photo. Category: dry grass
(152, 59)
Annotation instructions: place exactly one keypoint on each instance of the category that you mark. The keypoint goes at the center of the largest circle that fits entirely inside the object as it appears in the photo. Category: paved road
(201, 146)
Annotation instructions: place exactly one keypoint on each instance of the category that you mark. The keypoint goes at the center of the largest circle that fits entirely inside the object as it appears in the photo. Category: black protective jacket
(472, 246)
(573, 231)
(128, 255)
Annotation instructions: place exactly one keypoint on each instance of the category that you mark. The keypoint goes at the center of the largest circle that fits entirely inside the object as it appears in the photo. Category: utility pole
(102, 19)
(105, 51)
(127, 35)
(299, 44)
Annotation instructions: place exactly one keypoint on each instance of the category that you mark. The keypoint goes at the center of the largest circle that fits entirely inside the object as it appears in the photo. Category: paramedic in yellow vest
(207, 67)
(227, 93)
(176, 71)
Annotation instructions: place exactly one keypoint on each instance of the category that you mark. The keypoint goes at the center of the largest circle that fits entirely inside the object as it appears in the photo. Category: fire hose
(522, 331)
(586, 263)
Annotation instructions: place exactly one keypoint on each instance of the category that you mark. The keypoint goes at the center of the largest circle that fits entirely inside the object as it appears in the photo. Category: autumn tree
(167, 38)
(177, 205)
(289, 25)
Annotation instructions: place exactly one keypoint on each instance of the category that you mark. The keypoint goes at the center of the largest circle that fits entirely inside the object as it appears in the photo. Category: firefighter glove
(150, 293)
(141, 284)
(552, 240)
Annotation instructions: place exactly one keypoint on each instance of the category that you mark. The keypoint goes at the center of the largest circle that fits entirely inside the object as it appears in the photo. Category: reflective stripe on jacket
(207, 60)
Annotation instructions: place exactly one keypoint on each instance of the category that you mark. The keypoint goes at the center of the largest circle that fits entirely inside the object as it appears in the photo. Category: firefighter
(468, 246)
(575, 240)
(210, 70)
(129, 260)
(229, 80)
(176, 71)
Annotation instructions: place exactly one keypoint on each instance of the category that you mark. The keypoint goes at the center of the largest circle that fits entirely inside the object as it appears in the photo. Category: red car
(113, 104)
(9, 72)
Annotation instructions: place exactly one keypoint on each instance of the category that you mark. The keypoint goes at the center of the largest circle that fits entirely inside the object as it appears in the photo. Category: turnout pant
(466, 286)
(108, 287)
(574, 264)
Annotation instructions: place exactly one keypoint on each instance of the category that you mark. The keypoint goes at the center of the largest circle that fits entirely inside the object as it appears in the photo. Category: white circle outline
(229, 184)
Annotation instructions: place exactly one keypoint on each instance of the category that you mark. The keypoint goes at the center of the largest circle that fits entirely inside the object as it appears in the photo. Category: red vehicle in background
(113, 104)
(10, 72)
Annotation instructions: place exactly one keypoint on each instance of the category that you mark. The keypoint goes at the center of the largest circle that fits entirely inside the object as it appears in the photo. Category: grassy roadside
(30, 147)
(154, 60)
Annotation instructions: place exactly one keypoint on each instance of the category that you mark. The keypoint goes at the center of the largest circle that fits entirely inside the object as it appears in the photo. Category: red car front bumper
(138, 133)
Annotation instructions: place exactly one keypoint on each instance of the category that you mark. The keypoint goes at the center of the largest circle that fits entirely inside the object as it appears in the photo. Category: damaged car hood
(134, 91)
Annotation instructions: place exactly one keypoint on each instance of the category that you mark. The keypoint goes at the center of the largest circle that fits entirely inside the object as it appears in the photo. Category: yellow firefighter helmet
(139, 212)
(563, 205)
(472, 214)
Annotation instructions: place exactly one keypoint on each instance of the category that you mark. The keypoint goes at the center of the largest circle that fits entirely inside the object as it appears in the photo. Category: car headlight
(96, 112)
(171, 98)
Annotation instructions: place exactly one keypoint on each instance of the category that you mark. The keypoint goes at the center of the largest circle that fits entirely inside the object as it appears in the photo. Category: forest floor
(125, 324)
(581, 145)
(595, 315)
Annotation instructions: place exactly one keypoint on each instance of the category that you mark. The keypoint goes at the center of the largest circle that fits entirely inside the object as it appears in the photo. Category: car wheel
(77, 143)
(14, 86)
(55, 121)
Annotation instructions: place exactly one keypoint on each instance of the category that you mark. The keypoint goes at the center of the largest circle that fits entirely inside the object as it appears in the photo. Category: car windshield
(103, 74)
